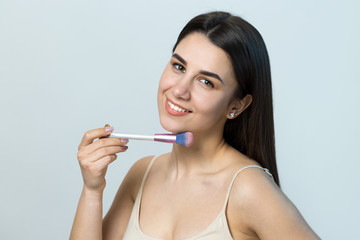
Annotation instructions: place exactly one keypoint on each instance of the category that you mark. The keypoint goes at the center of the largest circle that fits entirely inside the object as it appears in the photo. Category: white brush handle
(132, 136)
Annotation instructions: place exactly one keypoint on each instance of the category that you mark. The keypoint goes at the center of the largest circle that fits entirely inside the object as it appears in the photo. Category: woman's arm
(259, 208)
(94, 158)
(88, 218)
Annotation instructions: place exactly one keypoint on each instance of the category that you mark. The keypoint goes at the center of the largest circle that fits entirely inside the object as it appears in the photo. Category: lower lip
(174, 112)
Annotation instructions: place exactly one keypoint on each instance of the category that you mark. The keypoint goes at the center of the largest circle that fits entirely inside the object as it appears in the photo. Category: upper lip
(168, 100)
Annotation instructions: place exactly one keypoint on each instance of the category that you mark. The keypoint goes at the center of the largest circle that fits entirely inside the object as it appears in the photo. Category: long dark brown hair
(252, 132)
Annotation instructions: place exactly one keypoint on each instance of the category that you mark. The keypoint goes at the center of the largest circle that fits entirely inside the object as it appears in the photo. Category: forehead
(201, 54)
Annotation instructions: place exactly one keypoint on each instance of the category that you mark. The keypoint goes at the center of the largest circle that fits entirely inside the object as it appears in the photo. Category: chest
(181, 209)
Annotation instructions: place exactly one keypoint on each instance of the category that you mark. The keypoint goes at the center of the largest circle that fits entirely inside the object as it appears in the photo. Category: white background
(67, 66)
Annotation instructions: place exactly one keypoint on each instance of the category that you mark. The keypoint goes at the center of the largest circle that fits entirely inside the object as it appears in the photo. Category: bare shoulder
(133, 178)
(116, 219)
(257, 207)
(135, 175)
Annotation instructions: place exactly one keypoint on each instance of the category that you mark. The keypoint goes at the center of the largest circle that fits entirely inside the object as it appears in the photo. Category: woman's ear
(238, 106)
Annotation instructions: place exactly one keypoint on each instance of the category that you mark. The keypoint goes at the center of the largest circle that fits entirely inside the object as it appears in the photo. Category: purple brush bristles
(185, 139)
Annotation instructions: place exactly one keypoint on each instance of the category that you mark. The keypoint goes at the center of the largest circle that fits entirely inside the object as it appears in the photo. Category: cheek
(165, 79)
(216, 107)
(220, 103)
(162, 83)
(165, 83)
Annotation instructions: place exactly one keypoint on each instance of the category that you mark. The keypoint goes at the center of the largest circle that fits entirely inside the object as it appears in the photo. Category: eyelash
(181, 68)
(207, 82)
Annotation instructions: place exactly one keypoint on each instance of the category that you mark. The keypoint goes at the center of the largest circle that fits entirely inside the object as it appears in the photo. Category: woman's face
(196, 88)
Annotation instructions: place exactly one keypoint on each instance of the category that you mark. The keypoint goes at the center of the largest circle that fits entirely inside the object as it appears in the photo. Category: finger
(105, 142)
(103, 152)
(105, 161)
(91, 135)
(106, 125)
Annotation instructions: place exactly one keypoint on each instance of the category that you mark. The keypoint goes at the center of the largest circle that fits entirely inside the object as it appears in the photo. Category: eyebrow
(206, 73)
(177, 56)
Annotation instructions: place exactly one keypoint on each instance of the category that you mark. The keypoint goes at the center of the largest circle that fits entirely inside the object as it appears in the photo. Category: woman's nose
(182, 89)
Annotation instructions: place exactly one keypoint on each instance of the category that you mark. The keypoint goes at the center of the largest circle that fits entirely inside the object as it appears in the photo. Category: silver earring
(232, 114)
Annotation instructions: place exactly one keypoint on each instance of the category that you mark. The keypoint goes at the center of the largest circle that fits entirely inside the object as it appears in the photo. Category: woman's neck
(204, 155)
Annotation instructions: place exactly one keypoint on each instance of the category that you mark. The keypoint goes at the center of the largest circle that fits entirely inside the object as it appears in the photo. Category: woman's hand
(95, 156)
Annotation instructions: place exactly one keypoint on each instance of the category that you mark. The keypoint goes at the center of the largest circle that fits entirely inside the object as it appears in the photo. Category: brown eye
(179, 67)
(207, 82)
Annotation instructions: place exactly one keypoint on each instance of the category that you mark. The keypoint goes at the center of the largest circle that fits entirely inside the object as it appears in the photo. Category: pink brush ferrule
(167, 138)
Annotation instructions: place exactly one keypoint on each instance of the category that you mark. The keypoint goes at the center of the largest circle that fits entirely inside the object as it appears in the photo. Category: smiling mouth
(177, 108)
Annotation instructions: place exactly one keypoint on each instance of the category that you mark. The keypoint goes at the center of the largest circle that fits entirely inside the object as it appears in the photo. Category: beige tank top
(218, 229)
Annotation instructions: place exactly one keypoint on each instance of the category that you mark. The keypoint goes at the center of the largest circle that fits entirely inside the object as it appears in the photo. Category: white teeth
(176, 108)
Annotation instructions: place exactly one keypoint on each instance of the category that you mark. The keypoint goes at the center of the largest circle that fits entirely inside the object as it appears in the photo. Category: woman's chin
(173, 129)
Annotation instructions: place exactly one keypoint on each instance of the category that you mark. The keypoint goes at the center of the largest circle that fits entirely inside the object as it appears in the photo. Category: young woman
(217, 85)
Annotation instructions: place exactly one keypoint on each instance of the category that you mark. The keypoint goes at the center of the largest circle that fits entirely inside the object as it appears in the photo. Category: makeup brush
(185, 138)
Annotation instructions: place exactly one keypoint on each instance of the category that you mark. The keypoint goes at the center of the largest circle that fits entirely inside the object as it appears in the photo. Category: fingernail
(124, 140)
(124, 147)
(109, 129)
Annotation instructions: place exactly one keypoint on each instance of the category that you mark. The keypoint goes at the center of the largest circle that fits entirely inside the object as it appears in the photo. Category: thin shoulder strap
(147, 171)
(134, 218)
(237, 173)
